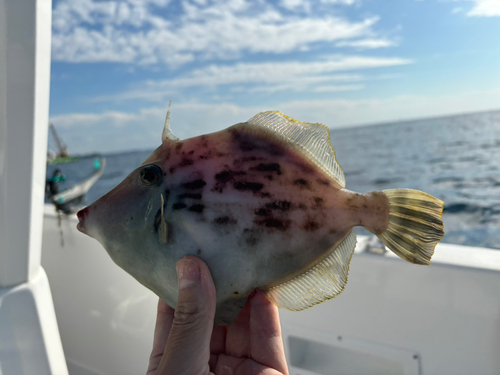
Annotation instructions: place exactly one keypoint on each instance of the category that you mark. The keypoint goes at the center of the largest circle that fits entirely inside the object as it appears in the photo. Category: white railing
(29, 338)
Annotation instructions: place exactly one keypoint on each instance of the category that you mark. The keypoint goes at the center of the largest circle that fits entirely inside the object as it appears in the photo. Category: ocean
(454, 158)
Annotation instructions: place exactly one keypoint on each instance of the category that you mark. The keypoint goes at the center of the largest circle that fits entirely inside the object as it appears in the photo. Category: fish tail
(415, 226)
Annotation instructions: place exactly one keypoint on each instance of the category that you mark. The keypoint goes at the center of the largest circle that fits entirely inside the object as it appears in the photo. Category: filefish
(263, 203)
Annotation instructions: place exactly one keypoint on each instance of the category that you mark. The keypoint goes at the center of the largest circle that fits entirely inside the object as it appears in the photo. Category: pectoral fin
(163, 230)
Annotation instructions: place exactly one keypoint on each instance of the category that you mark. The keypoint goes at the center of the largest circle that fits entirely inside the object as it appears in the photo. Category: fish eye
(151, 175)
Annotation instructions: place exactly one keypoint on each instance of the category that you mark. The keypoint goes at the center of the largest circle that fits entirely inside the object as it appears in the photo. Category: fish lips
(82, 214)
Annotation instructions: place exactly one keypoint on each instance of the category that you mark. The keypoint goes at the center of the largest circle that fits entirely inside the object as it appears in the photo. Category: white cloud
(142, 130)
(367, 43)
(346, 2)
(485, 8)
(148, 32)
(266, 77)
(296, 4)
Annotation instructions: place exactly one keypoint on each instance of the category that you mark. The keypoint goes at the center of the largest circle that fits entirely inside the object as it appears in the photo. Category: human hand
(186, 342)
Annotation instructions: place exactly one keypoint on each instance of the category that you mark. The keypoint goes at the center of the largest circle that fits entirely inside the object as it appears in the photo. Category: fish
(264, 204)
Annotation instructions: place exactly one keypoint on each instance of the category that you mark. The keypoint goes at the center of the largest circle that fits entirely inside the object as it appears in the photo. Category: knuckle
(188, 313)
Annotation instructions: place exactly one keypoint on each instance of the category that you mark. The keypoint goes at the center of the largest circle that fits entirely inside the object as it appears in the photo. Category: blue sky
(116, 64)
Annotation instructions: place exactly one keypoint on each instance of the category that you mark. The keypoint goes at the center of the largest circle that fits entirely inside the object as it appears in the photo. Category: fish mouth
(82, 214)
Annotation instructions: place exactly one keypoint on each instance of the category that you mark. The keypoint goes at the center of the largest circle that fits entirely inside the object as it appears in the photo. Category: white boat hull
(393, 317)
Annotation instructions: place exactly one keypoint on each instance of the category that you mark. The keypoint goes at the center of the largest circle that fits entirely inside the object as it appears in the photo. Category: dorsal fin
(322, 282)
(167, 132)
(313, 140)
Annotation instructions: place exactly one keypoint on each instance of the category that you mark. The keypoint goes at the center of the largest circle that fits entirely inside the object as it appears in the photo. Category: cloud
(367, 43)
(296, 5)
(142, 130)
(156, 32)
(345, 2)
(315, 76)
(485, 8)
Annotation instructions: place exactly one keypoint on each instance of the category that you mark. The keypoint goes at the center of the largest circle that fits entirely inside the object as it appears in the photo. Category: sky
(117, 64)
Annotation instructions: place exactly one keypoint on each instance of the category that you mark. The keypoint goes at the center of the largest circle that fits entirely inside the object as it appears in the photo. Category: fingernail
(188, 273)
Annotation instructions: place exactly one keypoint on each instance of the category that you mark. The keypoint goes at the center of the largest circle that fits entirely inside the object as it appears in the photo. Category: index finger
(266, 343)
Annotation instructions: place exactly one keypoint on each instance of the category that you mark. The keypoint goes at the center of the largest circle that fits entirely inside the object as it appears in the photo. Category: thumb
(188, 345)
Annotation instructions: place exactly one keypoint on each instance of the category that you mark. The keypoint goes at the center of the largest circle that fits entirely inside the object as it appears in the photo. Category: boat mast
(63, 152)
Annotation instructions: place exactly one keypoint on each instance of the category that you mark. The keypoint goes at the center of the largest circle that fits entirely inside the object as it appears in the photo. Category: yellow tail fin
(415, 225)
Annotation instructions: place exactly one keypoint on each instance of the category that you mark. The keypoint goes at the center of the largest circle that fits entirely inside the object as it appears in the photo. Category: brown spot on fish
(198, 251)
(251, 186)
(270, 167)
(301, 183)
(239, 138)
(245, 159)
(193, 185)
(279, 205)
(210, 154)
(171, 170)
(235, 293)
(251, 237)
(244, 144)
(179, 206)
(178, 146)
(190, 196)
(191, 152)
(185, 162)
(280, 225)
(131, 218)
(318, 202)
(262, 212)
(304, 168)
(228, 175)
(198, 208)
(249, 158)
(225, 176)
(324, 182)
(311, 226)
(224, 220)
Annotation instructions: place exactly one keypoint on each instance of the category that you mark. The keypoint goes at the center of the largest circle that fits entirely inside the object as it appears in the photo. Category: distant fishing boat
(72, 199)
(63, 156)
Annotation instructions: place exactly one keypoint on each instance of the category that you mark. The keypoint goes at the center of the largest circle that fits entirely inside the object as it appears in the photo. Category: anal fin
(324, 281)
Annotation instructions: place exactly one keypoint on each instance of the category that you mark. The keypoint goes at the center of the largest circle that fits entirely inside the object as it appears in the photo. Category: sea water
(456, 159)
